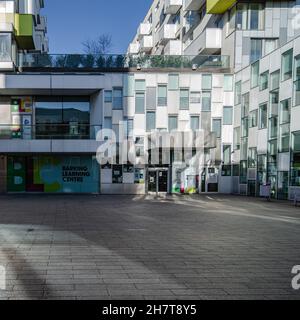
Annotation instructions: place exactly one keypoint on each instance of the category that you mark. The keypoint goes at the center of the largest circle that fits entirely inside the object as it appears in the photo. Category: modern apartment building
(226, 69)
(22, 28)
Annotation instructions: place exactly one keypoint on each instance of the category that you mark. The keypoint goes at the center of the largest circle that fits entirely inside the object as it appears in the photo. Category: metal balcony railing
(100, 62)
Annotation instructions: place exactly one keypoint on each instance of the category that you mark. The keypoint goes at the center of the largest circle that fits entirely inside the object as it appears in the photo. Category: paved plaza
(142, 247)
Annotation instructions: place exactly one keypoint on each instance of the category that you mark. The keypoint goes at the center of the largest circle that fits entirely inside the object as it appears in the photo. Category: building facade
(228, 70)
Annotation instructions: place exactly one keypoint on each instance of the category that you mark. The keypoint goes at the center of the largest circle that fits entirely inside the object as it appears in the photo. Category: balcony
(134, 48)
(172, 6)
(24, 31)
(173, 48)
(47, 62)
(144, 30)
(210, 41)
(194, 5)
(146, 44)
(219, 6)
(42, 26)
(167, 32)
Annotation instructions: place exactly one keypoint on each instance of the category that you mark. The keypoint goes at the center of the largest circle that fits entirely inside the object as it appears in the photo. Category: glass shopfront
(62, 118)
(53, 174)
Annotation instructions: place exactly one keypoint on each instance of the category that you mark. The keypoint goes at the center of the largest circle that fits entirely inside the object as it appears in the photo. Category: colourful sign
(53, 174)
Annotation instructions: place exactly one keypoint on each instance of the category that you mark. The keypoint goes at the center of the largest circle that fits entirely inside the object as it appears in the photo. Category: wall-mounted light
(195, 67)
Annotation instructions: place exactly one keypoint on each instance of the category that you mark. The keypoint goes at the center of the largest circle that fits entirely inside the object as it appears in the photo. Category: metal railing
(49, 132)
(94, 62)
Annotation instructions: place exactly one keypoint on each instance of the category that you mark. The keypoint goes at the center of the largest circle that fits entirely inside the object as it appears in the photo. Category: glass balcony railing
(50, 132)
(100, 62)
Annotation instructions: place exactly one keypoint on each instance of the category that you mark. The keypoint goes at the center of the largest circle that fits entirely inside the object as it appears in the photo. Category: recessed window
(238, 92)
(162, 99)
(255, 50)
(254, 74)
(140, 102)
(184, 99)
(227, 116)
(287, 65)
(173, 123)
(150, 121)
(264, 81)
(206, 101)
(195, 123)
(228, 82)
(263, 116)
(118, 98)
(108, 96)
(206, 82)
(253, 119)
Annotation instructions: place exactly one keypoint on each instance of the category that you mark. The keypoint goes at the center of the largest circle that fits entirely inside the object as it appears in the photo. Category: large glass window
(62, 117)
(297, 81)
(162, 99)
(217, 127)
(5, 47)
(253, 118)
(237, 138)
(295, 165)
(252, 157)
(263, 116)
(228, 82)
(227, 116)
(118, 98)
(254, 74)
(238, 92)
(227, 154)
(287, 65)
(150, 121)
(173, 123)
(285, 111)
(206, 82)
(275, 80)
(245, 105)
(195, 123)
(140, 102)
(206, 101)
(256, 50)
(249, 16)
(264, 81)
(184, 99)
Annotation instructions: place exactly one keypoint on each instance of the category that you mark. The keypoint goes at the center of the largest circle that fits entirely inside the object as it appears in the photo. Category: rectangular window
(118, 98)
(195, 97)
(227, 154)
(273, 128)
(150, 121)
(244, 148)
(297, 81)
(108, 96)
(238, 92)
(140, 102)
(284, 138)
(140, 85)
(206, 82)
(206, 101)
(195, 123)
(249, 16)
(228, 82)
(264, 81)
(245, 127)
(162, 96)
(227, 116)
(274, 102)
(275, 80)
(217, 127)
(184, 99)
(173, 81)
(243, 172)
(295, 165)
(237, 138)
(151, 98)
(252, 157)
(285, 111)
(245, 105)
(263, 116)
(256, 50)
(254, 74)
(5, 47)
(287, 65)
(129, 128)
(253, 119)
(173, 123)
(256, 16)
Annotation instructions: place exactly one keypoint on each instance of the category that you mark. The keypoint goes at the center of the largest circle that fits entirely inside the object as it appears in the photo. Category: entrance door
(158, 180)
(152, 181)
(162, 181)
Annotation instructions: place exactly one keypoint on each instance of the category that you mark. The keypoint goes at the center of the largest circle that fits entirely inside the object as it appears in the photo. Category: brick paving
(140, 247)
